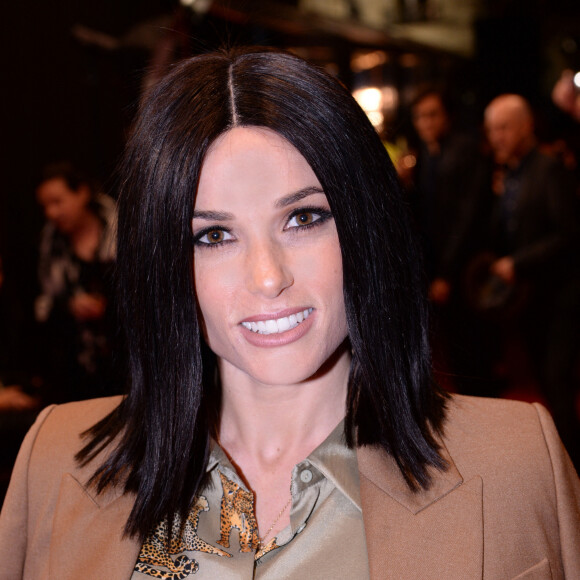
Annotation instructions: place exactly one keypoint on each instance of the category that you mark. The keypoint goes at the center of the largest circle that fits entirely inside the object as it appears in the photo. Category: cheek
(206, 291)
(212, 318)
(214, 292)
(328, 271)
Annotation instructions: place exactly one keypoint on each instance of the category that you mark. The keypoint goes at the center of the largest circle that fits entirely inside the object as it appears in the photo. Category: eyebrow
(297, 196)
(217, 216)
(280, 203)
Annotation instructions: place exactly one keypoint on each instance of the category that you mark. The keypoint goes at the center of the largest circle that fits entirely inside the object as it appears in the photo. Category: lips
(277, 325)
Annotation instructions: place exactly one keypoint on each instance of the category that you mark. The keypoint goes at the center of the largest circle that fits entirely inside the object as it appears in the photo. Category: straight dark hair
(160, 433)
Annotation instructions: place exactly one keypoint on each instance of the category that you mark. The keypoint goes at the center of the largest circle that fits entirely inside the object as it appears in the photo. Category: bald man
(535, 232)
(509, 126)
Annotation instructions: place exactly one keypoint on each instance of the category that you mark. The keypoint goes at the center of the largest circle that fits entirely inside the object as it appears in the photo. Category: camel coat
(508, 506)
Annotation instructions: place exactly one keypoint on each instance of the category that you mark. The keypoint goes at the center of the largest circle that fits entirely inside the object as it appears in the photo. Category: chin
(297, 368)
(284, 374)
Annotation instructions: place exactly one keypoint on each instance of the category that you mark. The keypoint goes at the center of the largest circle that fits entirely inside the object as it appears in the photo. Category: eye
(306, 217)
(212, 237)
(303, 219)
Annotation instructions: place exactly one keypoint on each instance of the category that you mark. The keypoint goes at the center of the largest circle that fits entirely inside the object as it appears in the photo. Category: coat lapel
(430, 534)
(87, 539)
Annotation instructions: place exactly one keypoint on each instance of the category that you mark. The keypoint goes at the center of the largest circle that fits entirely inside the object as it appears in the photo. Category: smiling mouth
(278, 325)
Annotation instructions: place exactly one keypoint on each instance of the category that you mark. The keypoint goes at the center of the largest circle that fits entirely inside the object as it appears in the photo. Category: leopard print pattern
(237, 512)
(155, 551)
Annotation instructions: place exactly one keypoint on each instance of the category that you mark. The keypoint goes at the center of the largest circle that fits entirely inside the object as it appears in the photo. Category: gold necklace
(262, 538)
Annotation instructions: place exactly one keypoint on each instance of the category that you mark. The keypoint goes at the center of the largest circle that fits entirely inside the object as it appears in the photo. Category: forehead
(252, 161)
(504, 114)
(429, 102)
(54, 187)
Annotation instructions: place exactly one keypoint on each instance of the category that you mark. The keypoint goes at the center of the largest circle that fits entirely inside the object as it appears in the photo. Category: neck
(281, 423)
(267, 429)
(433, 147)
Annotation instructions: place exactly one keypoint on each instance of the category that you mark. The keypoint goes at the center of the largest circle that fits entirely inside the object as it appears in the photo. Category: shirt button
(306, 476)
(300, 528)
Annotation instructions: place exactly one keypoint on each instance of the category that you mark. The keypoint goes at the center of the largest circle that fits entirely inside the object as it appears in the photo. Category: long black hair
(161, 431)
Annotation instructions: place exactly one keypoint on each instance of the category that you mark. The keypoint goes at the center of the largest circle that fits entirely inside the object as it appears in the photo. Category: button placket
(306, 481)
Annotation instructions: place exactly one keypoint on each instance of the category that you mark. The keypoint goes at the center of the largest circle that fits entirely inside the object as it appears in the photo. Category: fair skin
(266, 249)
(510, 131)
(69, 211)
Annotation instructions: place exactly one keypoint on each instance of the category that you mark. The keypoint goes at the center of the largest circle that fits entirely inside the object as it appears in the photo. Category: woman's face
(267, 261)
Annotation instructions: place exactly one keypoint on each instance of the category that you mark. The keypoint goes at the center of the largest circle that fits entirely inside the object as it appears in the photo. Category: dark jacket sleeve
(548, 217)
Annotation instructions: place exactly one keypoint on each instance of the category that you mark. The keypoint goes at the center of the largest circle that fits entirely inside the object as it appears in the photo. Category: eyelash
(323, 216)
(198, 237)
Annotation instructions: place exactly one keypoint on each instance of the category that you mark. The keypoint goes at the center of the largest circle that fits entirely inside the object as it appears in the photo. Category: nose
(268, 270)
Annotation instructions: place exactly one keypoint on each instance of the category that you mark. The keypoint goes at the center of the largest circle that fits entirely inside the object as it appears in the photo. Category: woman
(281, 418)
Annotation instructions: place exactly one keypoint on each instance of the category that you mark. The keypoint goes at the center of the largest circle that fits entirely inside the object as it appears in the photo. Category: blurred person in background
(534, 232)
(566, 94)
(447, 182)
(74, 309)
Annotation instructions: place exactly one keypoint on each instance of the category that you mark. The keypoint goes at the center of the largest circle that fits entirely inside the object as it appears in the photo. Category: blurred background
(73, 74)
(73, 71)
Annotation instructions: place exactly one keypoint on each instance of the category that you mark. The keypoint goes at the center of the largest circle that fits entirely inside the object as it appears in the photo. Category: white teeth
(279, 325)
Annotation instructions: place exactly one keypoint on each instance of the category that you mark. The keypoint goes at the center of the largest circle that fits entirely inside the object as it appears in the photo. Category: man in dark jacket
(534, 232)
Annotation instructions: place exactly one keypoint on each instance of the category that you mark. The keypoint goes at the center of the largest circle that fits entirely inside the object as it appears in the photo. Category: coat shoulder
(483, 433)
(486, 411)
(59, 432)
(80, 415)
(38, 487)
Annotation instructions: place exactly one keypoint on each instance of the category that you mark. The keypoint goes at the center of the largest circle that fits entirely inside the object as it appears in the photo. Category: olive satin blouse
(325, 538)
